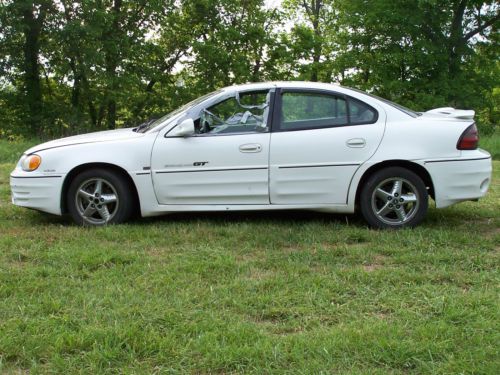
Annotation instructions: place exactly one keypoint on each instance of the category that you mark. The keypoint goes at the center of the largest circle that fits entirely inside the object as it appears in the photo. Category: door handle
(250, 147)
(356, 142)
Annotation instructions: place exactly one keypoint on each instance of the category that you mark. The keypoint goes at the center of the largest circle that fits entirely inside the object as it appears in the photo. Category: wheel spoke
(103, 212)
(85, 194)
(409, 198)
(89, 211)
(397, 187)
(108, 198)
(98, 187)
(382, 194)
(400, 212)
(384, 210)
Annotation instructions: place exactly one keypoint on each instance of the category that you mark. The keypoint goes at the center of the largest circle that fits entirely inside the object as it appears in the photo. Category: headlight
(30, 162)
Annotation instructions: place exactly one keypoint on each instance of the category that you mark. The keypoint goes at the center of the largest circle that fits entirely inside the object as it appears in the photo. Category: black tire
(88, 205)
(395, 198)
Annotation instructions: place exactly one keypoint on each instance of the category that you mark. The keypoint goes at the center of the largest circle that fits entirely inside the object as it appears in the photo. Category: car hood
(109, 135)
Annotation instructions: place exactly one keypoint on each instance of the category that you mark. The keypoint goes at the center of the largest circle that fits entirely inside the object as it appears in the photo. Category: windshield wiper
(144, 126)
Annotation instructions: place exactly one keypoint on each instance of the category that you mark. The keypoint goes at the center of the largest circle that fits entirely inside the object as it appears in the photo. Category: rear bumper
(42, 193)
(462, 179)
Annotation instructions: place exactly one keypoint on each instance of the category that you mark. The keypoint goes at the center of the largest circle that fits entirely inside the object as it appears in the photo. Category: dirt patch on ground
(259, 274)
(377, 263)
(381, 315)
(250, 256)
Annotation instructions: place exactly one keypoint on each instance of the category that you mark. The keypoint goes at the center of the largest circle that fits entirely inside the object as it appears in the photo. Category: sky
(272, 3)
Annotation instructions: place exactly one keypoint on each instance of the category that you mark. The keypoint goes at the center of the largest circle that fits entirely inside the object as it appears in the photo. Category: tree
(311, 40)
(70, 66)
(24, 22)
(424, 62)
(234, 41)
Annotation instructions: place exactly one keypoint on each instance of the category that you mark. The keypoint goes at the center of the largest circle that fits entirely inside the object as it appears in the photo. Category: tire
(394, 197)
(99, 197)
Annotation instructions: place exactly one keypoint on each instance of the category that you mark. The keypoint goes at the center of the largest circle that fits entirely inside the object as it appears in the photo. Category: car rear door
(319, 140)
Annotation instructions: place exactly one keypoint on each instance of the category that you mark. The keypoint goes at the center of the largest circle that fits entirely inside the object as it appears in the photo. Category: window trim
(278, 105)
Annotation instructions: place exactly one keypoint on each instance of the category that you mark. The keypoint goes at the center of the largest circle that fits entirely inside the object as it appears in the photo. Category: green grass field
(249, 293)
(492, 144)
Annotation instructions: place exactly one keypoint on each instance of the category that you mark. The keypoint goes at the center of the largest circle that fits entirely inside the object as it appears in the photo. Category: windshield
(152, 124)
(408, 111)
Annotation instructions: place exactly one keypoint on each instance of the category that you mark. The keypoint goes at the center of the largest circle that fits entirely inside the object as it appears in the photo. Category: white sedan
(266, 146)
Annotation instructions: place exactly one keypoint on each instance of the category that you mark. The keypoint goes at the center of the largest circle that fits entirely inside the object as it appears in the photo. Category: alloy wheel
(97, 201)
(395, 201)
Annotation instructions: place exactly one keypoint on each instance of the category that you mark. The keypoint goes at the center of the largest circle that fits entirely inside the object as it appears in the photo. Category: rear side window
(361, 113)
(311, 110)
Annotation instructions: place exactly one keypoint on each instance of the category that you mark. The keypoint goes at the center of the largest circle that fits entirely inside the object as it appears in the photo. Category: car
(264, 146)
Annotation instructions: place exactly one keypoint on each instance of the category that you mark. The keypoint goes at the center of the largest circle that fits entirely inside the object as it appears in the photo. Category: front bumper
(462, 179)
(40, 192)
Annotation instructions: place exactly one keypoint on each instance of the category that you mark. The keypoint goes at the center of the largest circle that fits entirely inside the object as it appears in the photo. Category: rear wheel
(99, 197)
(394, 197)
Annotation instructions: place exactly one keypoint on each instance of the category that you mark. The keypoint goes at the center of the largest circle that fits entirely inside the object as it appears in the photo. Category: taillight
(469, 139)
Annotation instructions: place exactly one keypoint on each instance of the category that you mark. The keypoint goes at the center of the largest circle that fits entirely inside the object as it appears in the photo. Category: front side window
(244, 112)
(310, 110)
(151, 125)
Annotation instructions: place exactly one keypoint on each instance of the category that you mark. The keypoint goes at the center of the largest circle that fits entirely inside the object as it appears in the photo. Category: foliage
(74, 66)
(444, 54)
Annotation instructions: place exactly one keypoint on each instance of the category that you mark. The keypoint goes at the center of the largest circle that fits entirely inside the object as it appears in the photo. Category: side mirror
(184, 129)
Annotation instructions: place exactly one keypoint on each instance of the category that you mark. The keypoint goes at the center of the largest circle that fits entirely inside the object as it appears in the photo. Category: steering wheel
(206, 126)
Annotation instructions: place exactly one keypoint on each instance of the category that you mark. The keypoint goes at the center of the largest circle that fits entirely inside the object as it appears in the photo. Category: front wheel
(99, 197)
(394, 197)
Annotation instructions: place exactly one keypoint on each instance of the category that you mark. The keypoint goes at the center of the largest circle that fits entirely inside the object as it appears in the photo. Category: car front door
(225, 162)
(319, 140)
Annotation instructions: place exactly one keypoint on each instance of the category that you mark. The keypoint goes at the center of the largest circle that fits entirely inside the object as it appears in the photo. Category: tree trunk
(32, 30)
(457, 42)
(112, 59)
(111, 114)
(317, 49)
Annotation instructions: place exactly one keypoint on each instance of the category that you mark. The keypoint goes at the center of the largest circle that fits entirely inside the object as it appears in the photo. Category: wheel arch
(83, 167)
(416, 168)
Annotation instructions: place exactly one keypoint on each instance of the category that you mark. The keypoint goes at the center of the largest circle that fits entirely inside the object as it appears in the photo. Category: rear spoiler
(450, 112)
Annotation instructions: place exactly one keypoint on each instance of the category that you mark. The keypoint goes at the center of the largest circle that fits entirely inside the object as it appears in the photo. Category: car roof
(300, 85)
(282, 84)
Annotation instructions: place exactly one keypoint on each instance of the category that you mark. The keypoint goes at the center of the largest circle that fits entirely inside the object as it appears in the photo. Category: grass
(249, 293)
(492, 144)
(10, 152)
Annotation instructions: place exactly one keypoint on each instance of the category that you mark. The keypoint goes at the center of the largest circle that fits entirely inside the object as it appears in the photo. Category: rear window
(399, 107)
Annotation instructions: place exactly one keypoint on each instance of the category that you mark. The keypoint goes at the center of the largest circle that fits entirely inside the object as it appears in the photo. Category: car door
(319, 139)
(225, 162)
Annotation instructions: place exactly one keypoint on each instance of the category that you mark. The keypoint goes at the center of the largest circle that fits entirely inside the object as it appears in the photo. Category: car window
(403, 109)
(152, 125)
(244, 112)
(312, 110)
(361, 113)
